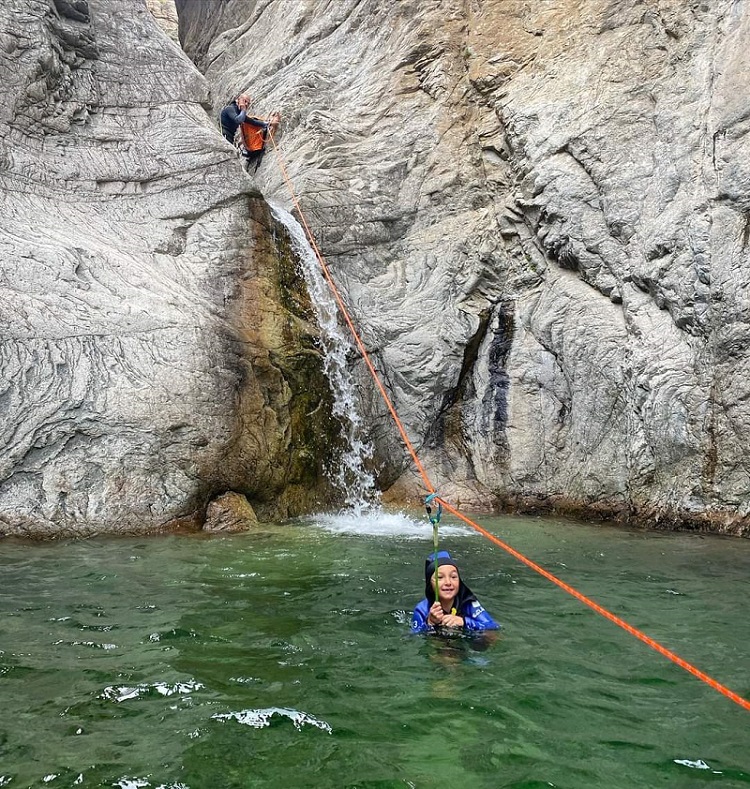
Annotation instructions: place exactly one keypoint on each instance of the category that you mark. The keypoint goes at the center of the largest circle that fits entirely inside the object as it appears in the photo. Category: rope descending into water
(433, 496)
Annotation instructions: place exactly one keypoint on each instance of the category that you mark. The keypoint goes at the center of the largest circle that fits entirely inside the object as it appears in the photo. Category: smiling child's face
(448, 582)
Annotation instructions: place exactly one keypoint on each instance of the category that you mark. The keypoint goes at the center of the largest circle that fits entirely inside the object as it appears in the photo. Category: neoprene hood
(443, 557)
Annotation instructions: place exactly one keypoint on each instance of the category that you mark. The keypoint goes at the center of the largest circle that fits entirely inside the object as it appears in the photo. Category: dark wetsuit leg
(254, 158)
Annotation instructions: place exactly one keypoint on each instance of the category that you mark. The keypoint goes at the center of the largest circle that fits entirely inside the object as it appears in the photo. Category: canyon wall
(156, 341)
(539, 216)
(537, 213)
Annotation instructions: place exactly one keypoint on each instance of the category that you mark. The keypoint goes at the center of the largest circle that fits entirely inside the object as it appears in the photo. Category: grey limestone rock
(146, 360)
(538, 214)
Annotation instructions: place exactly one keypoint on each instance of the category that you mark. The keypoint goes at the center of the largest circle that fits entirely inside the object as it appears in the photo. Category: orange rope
(737, 699)
(603, 611)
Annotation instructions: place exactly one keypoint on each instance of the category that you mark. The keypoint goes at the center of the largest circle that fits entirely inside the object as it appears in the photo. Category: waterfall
(351, 477)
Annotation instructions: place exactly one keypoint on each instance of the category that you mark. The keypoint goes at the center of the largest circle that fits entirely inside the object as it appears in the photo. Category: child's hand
(451, 620)
(436, 615)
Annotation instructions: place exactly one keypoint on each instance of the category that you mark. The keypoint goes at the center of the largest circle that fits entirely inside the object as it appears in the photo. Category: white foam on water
(92, 644)
(261, 718)
(378, 523)
(118, 693)
(141, 783)
(697, 764)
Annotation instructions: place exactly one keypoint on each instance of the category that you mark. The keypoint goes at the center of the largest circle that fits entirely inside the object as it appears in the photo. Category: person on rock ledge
(253, 132)
(254, 135)
(234, 114)
(448, 602)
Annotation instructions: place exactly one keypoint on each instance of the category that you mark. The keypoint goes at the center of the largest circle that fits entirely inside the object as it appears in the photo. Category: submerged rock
(538, 213)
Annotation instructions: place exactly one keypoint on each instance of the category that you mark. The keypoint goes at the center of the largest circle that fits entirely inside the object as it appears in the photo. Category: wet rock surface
(538, 214)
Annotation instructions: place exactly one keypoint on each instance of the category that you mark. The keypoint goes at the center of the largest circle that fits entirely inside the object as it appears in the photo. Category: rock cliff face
(165, 13)
(539, 215)
(156, 346)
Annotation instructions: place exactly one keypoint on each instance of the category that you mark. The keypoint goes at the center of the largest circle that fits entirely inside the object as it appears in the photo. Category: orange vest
(254, 137)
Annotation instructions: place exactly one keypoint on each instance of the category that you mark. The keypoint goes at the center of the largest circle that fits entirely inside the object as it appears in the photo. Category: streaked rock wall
(147, 363)
(165, 14)
(539, 215)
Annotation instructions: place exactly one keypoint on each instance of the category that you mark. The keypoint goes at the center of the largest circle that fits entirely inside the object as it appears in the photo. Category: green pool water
(283, 658)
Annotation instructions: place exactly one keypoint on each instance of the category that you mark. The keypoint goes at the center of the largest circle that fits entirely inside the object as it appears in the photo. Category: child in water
(456, 606)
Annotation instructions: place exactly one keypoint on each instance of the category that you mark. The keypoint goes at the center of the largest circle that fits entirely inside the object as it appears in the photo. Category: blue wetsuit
(475, 617)
(465, 603)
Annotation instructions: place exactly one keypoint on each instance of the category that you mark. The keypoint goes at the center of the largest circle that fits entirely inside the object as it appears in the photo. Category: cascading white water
(351, 477)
